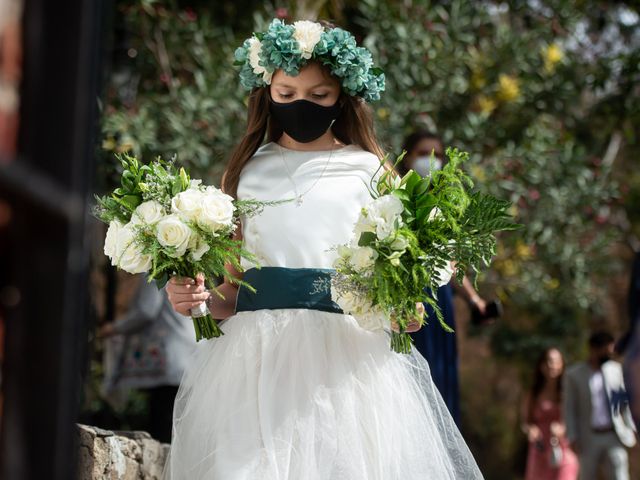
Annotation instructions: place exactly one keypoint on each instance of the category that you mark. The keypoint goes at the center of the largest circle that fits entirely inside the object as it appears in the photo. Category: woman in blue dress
(437, 346)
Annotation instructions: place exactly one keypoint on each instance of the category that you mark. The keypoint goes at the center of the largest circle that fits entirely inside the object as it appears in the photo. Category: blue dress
(440, 349)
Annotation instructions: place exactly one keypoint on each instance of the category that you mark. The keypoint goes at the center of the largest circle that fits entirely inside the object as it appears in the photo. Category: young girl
(549, 456)
(295, 389)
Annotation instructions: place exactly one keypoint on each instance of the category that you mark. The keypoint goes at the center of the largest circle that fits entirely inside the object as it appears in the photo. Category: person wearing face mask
(438, 346)
(597, 415)
(295, 388)
(419, 146)
(629, 344)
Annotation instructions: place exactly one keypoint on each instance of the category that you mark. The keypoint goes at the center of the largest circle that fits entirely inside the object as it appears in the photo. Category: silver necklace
(298, 195)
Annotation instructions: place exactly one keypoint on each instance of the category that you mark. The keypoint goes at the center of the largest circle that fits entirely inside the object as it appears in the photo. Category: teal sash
(284, 288)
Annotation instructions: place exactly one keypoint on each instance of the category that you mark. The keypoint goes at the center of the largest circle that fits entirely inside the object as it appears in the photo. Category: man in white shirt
(596, 410)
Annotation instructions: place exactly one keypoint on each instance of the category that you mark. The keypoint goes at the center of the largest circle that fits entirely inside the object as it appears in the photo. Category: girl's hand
(413, 325)
(534, 434)
(480, 303)
(186, 293)
(558, 429)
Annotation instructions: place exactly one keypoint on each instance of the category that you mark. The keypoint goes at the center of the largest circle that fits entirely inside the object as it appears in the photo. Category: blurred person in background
(549, 454)
(632, 375)
(148, 348)
(597, 415)
(434, 343)
(10, 75)
(629, 344)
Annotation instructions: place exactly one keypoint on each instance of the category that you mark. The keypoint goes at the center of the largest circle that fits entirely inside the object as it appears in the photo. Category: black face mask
(304, 121)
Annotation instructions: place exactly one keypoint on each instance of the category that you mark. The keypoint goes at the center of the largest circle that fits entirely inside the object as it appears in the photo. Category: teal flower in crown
(280, 50)
(290, 47)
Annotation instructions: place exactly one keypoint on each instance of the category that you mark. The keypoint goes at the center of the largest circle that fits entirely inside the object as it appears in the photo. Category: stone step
(108, 455)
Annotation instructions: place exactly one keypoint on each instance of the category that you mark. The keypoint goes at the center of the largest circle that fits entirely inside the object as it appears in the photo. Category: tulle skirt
(309, 395)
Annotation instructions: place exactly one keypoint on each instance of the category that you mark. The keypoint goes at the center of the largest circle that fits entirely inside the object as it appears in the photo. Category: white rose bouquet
(163, 223)
(408, 239)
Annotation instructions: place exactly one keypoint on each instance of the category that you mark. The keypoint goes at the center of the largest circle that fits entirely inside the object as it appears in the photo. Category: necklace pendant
(298, 200)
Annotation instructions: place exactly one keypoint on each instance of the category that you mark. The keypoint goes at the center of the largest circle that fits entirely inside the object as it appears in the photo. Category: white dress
(296, 394)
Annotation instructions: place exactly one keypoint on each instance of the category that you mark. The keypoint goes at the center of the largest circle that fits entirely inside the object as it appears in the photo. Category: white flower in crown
(307, 34)
(255, 46)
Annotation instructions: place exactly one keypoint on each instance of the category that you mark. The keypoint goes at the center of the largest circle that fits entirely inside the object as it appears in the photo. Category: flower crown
(290, 47)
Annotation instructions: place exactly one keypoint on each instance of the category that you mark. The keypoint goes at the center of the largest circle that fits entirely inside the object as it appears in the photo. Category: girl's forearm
(222, 308)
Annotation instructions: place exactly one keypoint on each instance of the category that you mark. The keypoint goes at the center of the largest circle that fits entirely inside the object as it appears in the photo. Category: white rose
(195, 183)
(173, 232)
(111, 239)
(148, 213)
(187, 204)
(255, 46)
(217, 211)
(363, 258)
(129, 257)
(307, 34)
(197, 247)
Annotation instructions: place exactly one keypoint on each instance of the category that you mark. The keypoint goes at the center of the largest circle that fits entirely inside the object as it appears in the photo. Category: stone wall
(107, 455)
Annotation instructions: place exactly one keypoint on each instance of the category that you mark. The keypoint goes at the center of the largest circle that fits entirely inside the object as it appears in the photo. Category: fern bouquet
(415, 234)
(163, 223)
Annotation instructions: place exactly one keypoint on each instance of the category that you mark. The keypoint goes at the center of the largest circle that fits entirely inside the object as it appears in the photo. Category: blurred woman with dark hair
(432, 341)
(549, 457)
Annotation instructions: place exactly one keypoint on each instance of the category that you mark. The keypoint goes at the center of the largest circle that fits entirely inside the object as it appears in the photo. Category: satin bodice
(334, 188)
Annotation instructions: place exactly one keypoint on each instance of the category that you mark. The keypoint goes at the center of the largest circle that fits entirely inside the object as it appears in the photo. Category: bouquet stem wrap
(408, 239)
(204, 324)
(164, 223)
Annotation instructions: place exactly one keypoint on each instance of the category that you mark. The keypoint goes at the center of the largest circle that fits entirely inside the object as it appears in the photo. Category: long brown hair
(353, 126)
(539, 380)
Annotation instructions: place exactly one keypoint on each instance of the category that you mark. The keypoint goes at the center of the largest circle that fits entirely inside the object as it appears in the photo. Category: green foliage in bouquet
(163, 223)
(435, 220)
(159, 181)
